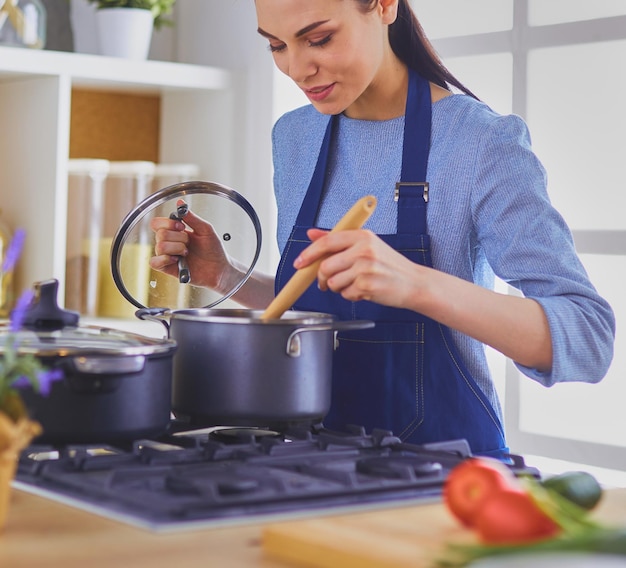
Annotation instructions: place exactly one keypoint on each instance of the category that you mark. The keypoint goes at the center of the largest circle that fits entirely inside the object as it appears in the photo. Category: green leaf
(602, 540)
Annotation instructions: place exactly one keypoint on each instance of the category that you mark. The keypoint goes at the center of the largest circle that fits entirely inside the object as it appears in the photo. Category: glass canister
(23, 23)
(85, 210)
(126, 185)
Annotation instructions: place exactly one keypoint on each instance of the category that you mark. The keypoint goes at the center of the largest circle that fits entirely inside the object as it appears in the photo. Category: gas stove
(222, 476)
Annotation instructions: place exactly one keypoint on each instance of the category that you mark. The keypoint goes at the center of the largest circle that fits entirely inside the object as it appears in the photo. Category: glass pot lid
(47, 330)
(86, 340)
(231, 216)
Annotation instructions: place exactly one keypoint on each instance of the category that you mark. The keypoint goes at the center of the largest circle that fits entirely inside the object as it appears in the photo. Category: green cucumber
(579, 487)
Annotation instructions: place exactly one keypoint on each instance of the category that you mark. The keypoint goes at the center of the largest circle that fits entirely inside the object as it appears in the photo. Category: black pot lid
(230, 214)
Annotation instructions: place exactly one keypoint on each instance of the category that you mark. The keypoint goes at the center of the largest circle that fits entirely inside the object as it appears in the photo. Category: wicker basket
(14, 437)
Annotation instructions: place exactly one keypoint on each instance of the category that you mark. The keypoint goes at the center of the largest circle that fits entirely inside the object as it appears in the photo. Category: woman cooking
(471, 201)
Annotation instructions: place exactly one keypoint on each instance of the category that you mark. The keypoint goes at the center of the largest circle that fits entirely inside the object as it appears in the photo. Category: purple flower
(19, 312)
(18, 371)
(21, 382)
(46, 378)
(13, 250)
(43, 383)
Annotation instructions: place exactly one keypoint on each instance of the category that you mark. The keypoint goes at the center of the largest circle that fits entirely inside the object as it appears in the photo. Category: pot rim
(243, 316)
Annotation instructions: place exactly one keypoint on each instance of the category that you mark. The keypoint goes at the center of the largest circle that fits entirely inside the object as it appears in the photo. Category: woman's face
(333, 50)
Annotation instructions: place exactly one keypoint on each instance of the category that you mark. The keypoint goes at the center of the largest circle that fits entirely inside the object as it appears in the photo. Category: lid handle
(44, 312)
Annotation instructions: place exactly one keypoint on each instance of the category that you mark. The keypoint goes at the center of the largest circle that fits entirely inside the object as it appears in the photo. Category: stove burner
(241, 435)
(190, 478)
(400, 467)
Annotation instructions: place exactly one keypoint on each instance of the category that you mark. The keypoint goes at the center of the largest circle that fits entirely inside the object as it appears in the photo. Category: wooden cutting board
(413, 536)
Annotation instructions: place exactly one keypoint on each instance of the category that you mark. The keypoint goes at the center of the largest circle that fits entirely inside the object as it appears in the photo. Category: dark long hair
(409, 42)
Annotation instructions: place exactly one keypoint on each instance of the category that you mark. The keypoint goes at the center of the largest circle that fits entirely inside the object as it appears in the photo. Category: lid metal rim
(62, 351)
(158, 198)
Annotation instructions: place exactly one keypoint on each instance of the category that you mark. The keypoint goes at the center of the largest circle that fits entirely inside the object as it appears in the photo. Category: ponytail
(409, 42)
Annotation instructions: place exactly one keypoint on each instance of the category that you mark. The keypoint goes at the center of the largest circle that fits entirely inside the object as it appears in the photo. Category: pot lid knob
(44, 312)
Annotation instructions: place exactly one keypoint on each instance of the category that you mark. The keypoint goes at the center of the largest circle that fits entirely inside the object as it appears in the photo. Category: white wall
(223, 34)
(538, 60)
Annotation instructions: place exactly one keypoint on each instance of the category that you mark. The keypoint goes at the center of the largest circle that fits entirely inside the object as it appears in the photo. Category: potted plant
(17, 371)
(160, 9)
(125, 26)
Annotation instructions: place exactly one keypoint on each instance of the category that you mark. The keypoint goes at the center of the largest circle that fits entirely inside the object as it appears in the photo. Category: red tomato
(471, 482)
(512, 517)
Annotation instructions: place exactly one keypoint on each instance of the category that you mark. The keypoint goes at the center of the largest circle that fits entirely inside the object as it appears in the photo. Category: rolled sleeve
(529, 246)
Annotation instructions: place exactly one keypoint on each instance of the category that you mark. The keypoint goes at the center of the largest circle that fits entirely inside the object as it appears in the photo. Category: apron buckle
(422, 184)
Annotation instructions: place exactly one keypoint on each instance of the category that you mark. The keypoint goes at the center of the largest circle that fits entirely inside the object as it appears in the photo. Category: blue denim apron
(405, 374)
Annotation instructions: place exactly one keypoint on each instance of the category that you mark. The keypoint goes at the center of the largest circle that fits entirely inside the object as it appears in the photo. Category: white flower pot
(124, 32)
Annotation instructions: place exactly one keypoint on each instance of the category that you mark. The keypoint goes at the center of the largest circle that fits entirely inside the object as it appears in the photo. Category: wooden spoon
(303, 278)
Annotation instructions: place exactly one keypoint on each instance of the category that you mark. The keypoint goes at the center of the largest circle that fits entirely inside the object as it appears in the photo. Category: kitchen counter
(41, 533)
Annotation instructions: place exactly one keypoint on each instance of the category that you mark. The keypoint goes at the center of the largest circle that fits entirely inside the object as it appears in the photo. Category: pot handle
(154, 314)
(293, 341)
(90, 375)
(345, 325)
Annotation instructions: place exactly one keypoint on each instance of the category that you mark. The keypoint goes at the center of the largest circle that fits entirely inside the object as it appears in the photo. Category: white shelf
(35, 112)
(97, 70)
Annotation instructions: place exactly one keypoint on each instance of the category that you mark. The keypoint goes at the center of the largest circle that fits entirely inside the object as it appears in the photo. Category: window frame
(518, 42)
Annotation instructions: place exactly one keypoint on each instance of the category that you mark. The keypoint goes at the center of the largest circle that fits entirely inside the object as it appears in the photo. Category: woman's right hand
(196, 240)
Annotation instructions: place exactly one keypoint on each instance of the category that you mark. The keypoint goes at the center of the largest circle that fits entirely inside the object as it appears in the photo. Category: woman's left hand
(360, 266)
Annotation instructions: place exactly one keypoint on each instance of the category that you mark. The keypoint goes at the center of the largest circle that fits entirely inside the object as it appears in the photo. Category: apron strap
(412, 198)
(417, 127)
(412, 190)
(313, 198)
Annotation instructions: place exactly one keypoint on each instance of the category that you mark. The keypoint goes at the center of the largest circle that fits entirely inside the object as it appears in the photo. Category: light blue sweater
(488, 212)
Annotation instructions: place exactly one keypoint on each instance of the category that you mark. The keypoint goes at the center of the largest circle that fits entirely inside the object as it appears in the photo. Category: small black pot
(116, 385)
